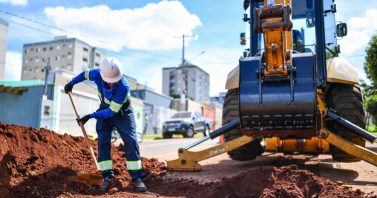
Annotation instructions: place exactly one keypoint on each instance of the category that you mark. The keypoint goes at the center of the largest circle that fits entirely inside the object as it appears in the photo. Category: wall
(152, 97)
(64, 115)
(3, 46)
(23, 109)
(138, 107)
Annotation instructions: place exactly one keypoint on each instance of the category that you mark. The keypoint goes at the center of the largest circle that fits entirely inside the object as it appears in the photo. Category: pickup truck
(187, 124)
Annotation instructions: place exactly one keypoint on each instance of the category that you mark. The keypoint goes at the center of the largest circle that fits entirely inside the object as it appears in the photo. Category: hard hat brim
(111, 80)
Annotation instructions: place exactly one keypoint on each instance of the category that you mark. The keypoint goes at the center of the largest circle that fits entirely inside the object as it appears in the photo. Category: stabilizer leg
(349, 147)
(188, 160)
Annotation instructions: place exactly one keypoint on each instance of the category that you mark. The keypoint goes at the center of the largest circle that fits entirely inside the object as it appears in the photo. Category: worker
(298, 41)
(115, 111)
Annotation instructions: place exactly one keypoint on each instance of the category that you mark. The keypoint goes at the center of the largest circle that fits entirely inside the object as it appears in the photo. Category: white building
(3, 46)
(64, 53)
(174, 82)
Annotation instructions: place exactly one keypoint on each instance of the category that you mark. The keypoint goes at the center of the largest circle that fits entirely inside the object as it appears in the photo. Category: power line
(62, 30)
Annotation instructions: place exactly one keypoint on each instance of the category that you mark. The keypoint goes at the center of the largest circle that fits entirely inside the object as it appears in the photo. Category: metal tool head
(90, 178)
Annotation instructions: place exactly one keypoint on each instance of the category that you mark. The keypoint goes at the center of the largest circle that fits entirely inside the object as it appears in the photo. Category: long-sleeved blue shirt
(113, 98)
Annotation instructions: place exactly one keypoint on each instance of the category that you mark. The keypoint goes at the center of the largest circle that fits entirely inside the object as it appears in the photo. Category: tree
(370, 67)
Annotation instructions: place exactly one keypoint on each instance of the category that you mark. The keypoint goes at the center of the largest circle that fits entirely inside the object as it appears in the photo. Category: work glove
(84, 119)
(68, 87)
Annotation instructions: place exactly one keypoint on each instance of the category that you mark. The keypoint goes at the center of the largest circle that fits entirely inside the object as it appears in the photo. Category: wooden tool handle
(84, 132)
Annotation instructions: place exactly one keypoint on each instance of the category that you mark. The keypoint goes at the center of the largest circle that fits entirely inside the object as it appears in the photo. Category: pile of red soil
(39, 163)
(286, 181)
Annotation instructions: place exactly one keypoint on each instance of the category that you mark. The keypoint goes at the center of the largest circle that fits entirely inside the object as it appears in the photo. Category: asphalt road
(164, 149)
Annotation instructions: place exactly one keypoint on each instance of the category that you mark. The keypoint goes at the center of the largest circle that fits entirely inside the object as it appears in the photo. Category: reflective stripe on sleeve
(86, 74)
(106, 100)
(105, 165)
(115, 106)
(134, 165)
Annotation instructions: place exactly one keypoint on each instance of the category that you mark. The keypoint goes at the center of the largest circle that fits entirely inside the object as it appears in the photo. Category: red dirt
(40, 163)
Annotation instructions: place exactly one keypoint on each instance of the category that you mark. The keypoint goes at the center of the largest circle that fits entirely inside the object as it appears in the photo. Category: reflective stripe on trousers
(105, 165)
(134, 165)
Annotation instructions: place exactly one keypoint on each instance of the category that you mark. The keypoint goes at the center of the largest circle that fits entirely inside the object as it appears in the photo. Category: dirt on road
(41, 163)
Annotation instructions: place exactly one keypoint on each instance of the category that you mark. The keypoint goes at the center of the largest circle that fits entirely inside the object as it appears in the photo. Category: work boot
(104, 187)
(140, 186)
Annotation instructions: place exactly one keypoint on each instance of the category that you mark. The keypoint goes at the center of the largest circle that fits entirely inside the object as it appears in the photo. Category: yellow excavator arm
(273, 20)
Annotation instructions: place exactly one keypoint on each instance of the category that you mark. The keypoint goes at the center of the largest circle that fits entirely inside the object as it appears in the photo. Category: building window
(98, 55)
(69, 56)
(85, 49)
(63, 56)
(57, 58)
(96, 64)
(44, 49)
(51, 48)
(70, 45)
(37, 50)
(25, 51)
(84, 59)
(31, 49)
(42, 70)
(25, 70)
(30, 59)
(58, 47)
(69, 53)
(37, 60)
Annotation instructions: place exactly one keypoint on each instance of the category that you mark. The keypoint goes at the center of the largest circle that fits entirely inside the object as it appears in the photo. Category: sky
(143, 35)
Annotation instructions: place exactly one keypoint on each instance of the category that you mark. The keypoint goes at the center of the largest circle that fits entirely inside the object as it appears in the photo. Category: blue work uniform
(115, 111)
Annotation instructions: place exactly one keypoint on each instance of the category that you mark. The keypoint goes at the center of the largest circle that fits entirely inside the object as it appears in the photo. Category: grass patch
(152, 136)
(372, 129)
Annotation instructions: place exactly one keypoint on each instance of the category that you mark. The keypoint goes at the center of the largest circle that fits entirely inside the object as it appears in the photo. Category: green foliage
(370, 66)
(175, 95)
(371, 105)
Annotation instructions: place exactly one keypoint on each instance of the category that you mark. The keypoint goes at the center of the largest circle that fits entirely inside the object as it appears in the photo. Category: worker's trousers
(124, 122)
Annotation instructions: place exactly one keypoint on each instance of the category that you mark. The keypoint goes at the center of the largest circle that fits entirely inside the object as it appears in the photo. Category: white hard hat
(110, 70)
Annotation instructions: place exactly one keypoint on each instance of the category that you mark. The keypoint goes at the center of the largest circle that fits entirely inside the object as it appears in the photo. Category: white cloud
(151, 27)
(13, 65)
(15, 2)
(361, 29)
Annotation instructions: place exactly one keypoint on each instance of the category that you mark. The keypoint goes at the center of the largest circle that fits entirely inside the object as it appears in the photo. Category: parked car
(187, 124)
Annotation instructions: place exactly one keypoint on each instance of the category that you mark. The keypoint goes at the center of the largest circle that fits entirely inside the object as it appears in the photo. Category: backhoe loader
(291, 92)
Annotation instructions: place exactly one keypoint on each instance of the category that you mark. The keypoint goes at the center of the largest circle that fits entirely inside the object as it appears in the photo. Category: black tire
(206, 130)
(167, 135)
(347, 101)
(189, 133)
(230, 112)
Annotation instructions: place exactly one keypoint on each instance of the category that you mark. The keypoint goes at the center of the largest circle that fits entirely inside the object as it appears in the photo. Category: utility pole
(184, 93)
(183, 46)
(47, 71)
